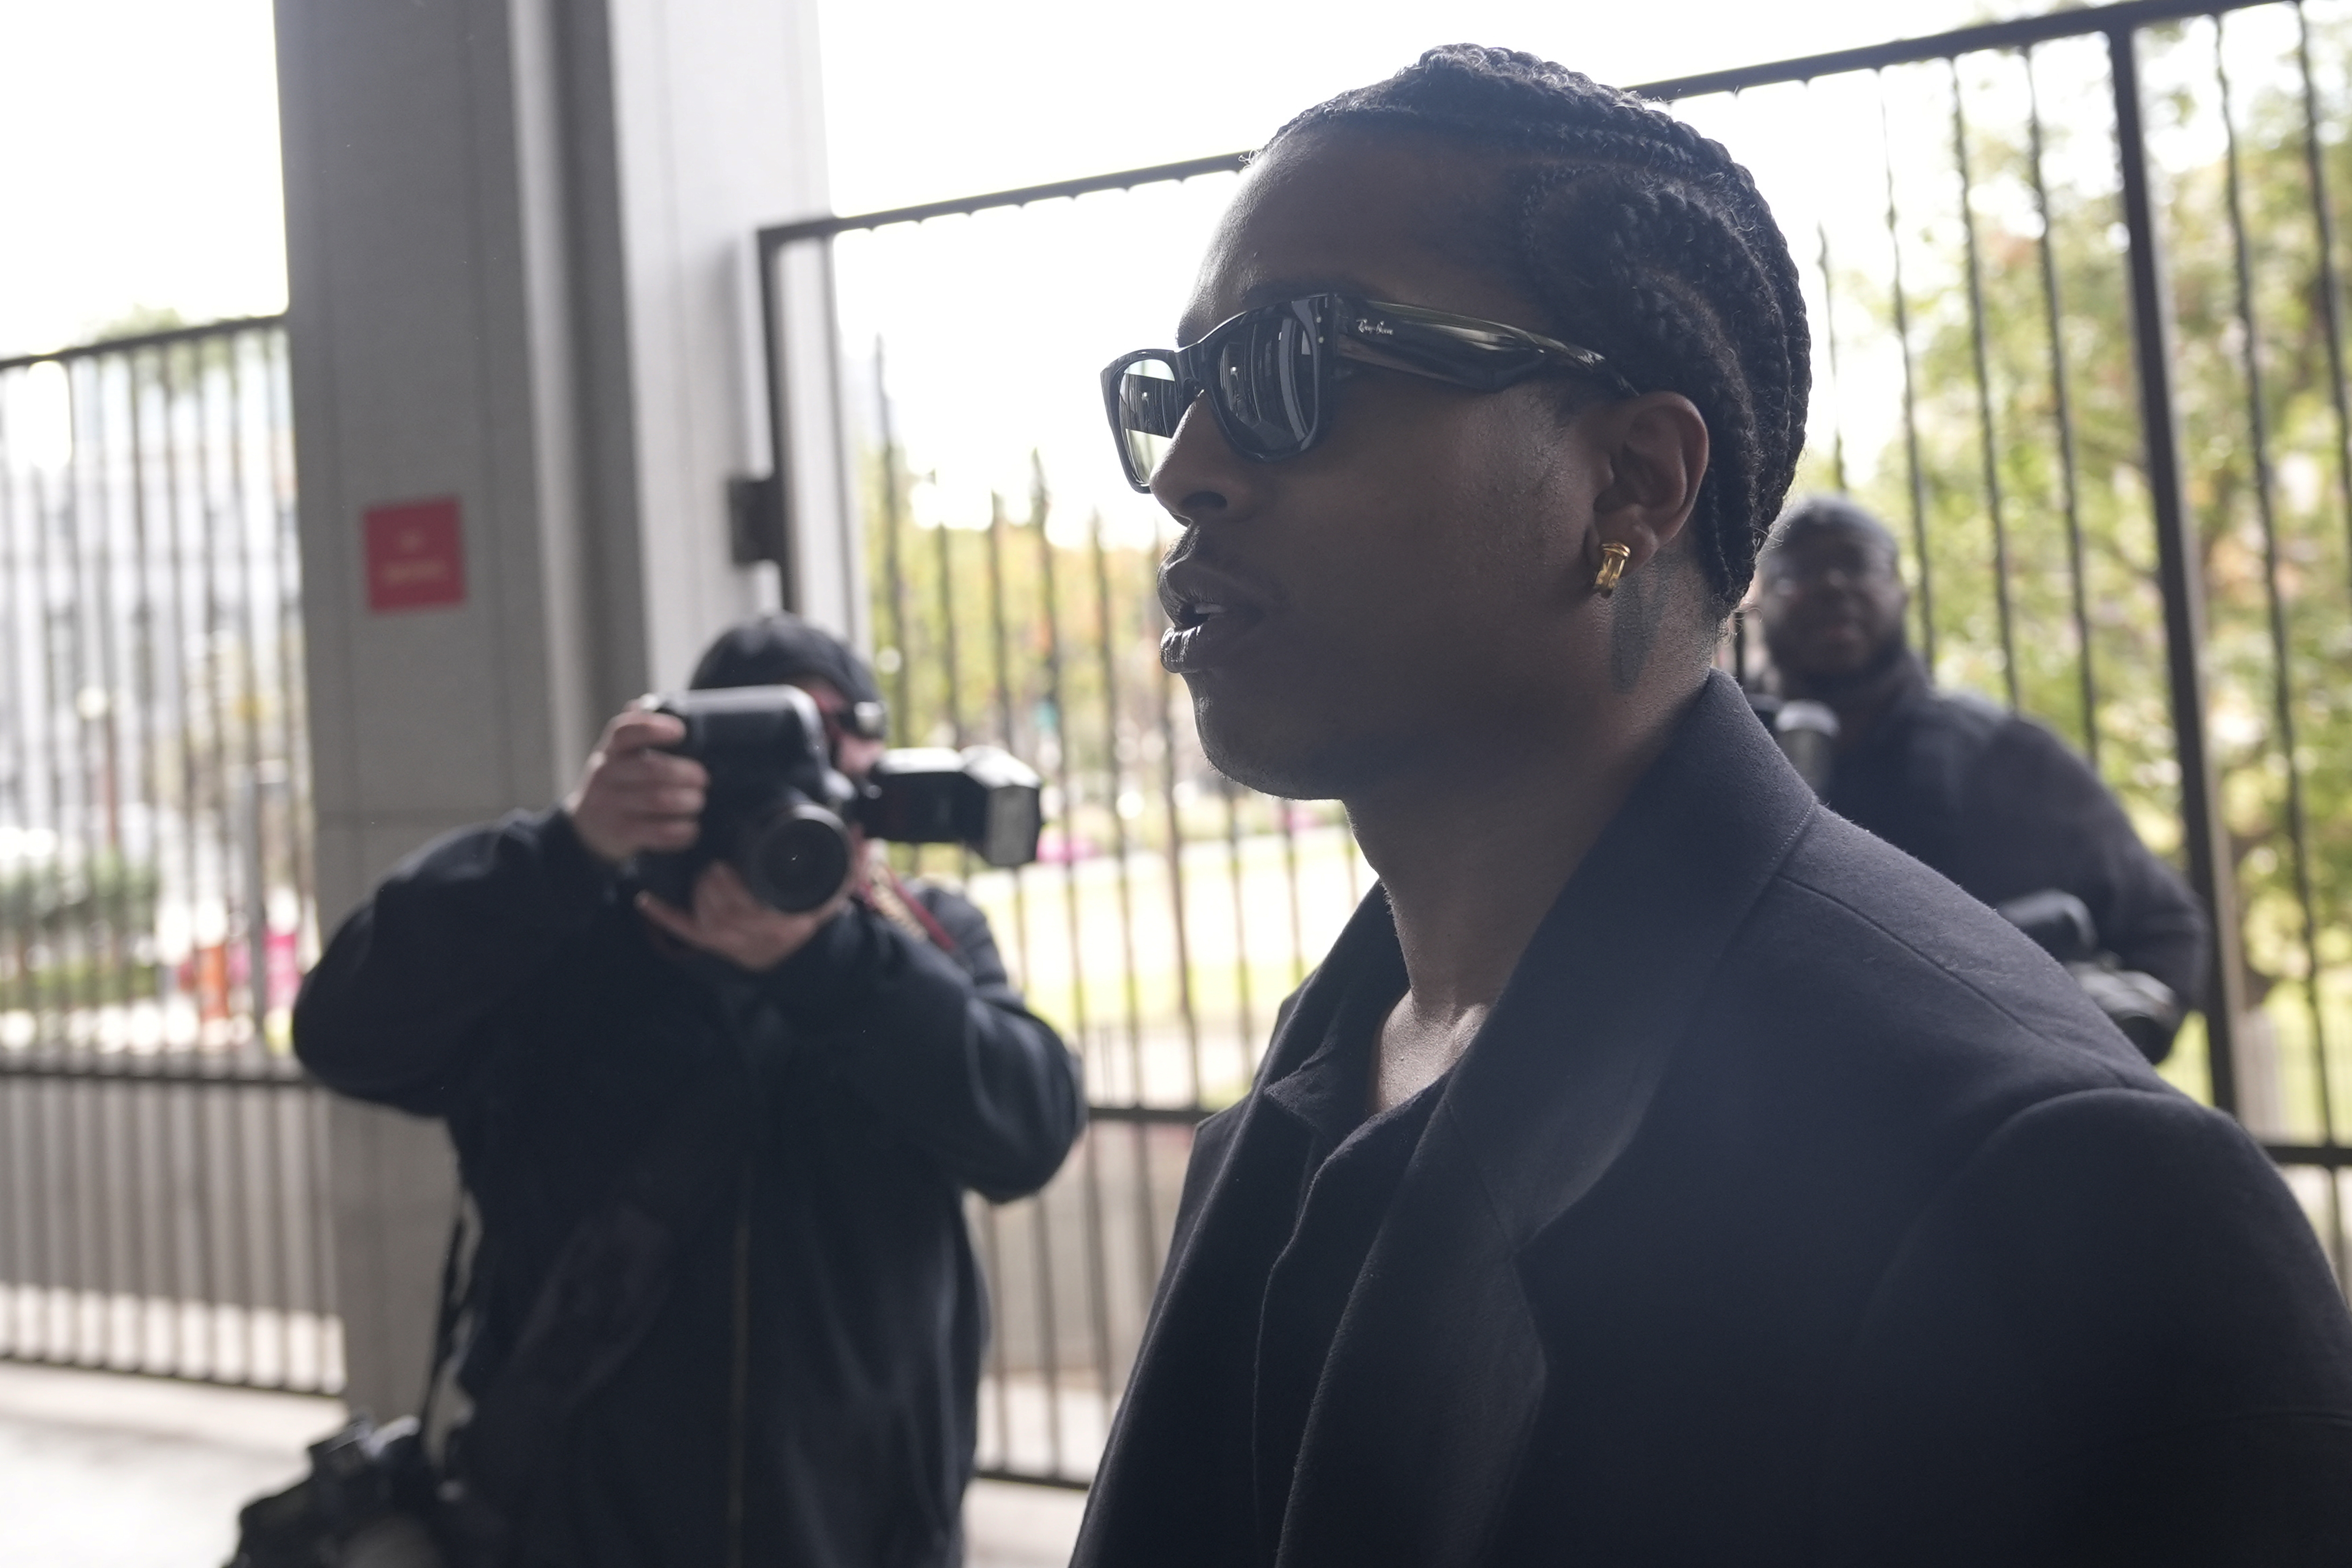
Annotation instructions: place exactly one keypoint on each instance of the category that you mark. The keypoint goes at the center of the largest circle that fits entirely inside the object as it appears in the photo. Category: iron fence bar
(179, 710)
(1049, 1338)
(109, 347)
(1148, 1264)
(322, 1244)
(207, 664)
(243, 1070)
(1031, 1479)
(1922, 565)
(46, 1244)
(150, 649)
(2323, 215)
(16, 911)
(109, 631)
(2062, 416)
(893, 526)
(1049, 1335)
(294, 704)
(1984, 391)
(1179, 929)
(2178, 575)
(1149, 1115)
(256, 856)
(2275, 604)
(775, 236)
(845, 492)
(1829, 349)
(780, 454)
(60, 943)
(2328, 1156)
(1040, 504)
(1116, 768)
(2012, 35)
(1000, 645)
(1234, 877)
(19, 1155)
(993, 1256)
(1297, 922)
(93, 567)
(72, 759)
(253, 1134)
(197, 617)
(952, 664)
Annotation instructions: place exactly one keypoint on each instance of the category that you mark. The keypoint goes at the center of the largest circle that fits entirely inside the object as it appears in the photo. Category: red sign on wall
(415, 554)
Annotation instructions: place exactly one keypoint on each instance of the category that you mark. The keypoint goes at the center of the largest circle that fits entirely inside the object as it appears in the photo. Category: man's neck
(1861, 698)
(1473, 861)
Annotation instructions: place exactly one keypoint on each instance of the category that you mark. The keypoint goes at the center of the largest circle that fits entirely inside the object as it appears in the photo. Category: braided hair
(1644, 241)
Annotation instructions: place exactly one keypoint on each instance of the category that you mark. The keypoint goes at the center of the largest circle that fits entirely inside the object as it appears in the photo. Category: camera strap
(895, 901)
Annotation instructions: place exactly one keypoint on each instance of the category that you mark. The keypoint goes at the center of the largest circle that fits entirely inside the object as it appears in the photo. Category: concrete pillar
(525, 362)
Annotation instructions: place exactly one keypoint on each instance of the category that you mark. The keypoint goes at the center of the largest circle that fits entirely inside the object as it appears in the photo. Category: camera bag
(374, 1497)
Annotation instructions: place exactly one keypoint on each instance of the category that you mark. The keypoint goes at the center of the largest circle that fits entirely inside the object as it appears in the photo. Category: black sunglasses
(1269, 371)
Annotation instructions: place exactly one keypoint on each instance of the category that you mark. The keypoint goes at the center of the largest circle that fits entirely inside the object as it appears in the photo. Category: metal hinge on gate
(755, 520)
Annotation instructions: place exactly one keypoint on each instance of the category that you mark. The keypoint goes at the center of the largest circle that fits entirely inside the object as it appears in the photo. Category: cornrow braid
(1644, 240)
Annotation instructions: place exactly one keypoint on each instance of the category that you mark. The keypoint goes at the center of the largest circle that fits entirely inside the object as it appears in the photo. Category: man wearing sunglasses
(1658, 1169)
(723, 1308)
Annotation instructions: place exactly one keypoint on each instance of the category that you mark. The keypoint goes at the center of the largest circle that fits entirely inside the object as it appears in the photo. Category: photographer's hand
(632, 796)
(728, 921)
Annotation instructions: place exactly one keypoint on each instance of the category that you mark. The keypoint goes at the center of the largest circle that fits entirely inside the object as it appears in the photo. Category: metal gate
(2076, 293)
(162, 1203)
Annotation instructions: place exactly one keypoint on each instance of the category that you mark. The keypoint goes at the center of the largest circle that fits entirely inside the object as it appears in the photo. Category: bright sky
(138, 138)
(139, 169)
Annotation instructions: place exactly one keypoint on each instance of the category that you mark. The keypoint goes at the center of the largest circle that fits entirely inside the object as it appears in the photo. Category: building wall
(520, 238)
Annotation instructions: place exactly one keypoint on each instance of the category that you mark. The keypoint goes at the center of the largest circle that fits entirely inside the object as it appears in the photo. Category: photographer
(724, 1309)
(1991, 799)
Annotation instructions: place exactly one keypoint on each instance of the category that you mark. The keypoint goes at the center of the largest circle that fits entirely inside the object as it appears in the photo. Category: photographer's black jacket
(500, 980)
(1790, 1208)
(2004, 808)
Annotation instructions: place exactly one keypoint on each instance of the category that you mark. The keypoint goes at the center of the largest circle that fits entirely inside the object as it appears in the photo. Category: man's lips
(1203, 633)
(1208, 611)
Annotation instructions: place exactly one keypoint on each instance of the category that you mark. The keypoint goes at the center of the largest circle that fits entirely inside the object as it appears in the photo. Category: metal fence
(2075, 290)
(162, 1204)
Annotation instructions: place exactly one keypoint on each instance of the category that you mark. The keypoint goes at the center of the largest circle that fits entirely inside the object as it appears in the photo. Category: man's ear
(1657, 447)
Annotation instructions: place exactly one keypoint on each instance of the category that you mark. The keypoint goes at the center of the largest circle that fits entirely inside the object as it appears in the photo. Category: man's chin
(1839, 670)
(1273, 759)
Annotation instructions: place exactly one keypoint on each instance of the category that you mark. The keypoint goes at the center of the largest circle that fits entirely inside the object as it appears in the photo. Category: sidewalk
(102, 1471)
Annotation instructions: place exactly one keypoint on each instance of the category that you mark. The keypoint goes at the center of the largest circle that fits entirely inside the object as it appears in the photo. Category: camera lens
(797, 859)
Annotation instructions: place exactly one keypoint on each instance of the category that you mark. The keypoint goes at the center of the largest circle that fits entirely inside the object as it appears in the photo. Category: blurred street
(103, 1470)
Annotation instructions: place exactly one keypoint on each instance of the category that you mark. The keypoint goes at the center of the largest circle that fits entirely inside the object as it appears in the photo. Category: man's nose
(1200, 477)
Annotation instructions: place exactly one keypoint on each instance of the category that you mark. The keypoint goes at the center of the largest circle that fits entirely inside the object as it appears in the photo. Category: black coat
(1791, 1207)
(499, 979)
(2004, 808)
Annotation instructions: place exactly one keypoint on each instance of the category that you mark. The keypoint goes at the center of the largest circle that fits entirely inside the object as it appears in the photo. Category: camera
(2140, 1005)
(780, 812)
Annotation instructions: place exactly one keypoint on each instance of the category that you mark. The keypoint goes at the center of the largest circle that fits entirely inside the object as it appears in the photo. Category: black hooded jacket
(500, 980)
(2004, 808)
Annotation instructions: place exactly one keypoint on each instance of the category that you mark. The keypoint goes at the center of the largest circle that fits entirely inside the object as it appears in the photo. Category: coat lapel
(1437, 1373)
(1164, 1470)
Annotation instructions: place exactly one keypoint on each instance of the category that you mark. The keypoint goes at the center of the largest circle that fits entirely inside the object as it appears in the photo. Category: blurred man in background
(1991, 798)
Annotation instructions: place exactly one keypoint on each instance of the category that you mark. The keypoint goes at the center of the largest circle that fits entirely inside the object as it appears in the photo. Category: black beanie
(773, 650)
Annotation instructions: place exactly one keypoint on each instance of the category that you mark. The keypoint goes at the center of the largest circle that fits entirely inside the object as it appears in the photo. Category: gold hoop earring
(1613, 558)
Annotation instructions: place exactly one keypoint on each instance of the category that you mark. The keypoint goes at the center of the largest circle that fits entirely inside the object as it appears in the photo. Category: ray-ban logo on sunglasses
(1366, 324)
